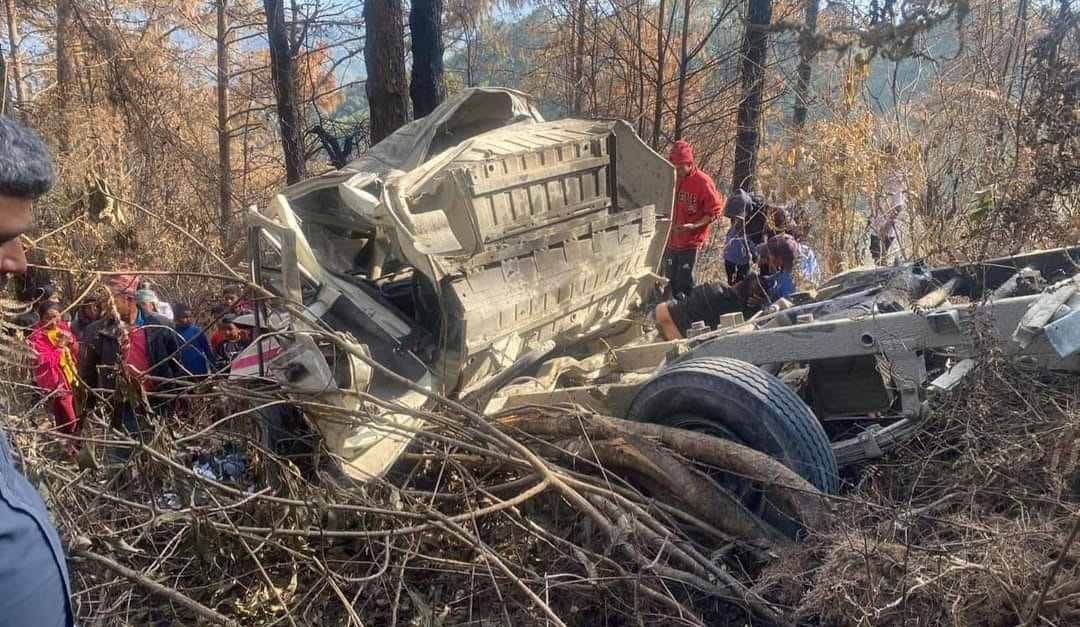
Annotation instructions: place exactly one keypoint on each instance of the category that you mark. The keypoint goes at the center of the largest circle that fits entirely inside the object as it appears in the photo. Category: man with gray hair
(34, 588)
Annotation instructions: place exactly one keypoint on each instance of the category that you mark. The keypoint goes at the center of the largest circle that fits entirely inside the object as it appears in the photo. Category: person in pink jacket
(55, 369)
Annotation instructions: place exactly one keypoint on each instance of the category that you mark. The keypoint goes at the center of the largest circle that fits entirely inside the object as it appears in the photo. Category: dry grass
(961, 526)
(472, 527)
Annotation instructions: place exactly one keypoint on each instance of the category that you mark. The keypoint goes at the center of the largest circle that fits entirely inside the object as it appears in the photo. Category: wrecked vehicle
(464, 248)
(489, 256)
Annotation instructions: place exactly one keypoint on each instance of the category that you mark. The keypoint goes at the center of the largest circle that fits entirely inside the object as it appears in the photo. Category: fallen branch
(157, 588)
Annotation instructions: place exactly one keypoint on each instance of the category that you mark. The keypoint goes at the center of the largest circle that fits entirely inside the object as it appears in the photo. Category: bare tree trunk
(468, 62)
(658, 112)
(13, 48)
(755, 49)
(384, 56)
(65, 74)
(577, 84)
(224, 158)
(806, 58)
(245, 145)
(5, 93)
(428, 88)
(684, 61)
(283, 73)
(640, 71)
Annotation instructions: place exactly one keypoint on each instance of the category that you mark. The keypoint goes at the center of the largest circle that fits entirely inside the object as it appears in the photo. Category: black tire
(737, 401)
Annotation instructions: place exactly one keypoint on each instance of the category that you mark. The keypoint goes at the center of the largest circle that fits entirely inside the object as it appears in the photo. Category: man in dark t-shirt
(707, 302)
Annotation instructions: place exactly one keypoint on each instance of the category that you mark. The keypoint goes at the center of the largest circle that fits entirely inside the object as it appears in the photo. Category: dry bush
(525, 517)
(959, 527)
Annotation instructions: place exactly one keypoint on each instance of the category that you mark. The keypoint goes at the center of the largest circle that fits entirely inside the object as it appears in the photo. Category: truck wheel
(736, 401)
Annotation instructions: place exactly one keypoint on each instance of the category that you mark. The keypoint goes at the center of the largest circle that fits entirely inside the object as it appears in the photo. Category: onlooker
(218, 336)
(757, 221)
(736, 243)
(84, 317)
(196, 356)
(885, 212)
(697, 203)
(779, 220)
(233, 343)
(34, 588)
(49, 295)
(781, 251)
(146, 299)
(144, 342)
(55, 369)
(806, 265)
(232, 298)
(710, 301)
(706, 302)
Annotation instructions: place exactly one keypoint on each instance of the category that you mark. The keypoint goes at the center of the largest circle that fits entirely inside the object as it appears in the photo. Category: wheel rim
(744, 490)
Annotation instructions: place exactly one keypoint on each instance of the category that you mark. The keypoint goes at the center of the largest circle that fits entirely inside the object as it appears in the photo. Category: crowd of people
(79, 350)
(159, 344)
(766, 255)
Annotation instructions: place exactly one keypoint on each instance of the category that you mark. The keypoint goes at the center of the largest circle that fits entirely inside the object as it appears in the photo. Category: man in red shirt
(697, 204)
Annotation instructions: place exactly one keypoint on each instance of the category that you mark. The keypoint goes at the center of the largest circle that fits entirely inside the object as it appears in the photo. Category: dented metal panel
(496, 233)
(539, 239)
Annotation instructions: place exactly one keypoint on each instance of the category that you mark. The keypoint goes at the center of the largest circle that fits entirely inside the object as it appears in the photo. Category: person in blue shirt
(807, 270)
(780, 254)
(196, 358)
(34, 584)
(806, 266)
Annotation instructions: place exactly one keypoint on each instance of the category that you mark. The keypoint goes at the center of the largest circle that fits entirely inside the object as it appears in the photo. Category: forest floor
(971, 523)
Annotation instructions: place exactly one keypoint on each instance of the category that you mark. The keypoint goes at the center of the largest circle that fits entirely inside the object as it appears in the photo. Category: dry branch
(156, 588)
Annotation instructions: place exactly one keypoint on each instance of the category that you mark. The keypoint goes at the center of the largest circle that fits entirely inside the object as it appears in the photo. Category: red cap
(681, 153)
(123, 284)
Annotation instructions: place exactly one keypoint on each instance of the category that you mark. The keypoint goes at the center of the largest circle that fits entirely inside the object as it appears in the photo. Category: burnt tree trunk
(755, 49)
(578, 83)
(384, 57)
(658, 106)
(639, 18)
(65, 74)
(684, 63)
(5, 93)
(283, 74)
(428, 89)
(224, 156)
(806, 59)
(13, 48)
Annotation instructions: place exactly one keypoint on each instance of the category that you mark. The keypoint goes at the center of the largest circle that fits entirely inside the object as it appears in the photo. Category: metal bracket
(946, 321)
(868, 440)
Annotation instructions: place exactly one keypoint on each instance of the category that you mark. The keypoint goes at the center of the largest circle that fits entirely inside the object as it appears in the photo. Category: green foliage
(982, 205)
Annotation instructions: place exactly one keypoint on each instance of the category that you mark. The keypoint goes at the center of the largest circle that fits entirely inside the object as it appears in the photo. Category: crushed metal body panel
(463, 243)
